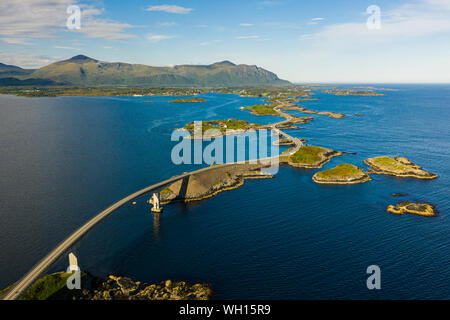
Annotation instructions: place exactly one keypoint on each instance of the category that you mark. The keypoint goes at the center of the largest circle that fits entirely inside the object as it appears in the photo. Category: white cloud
(167, 24)
(66, 48)
(105, 29)
(269, 3)
(27, 61)
(315, 21)
(170, 9)
(15, 41)
(427, 17)
(247, 37)
(409, 47)
(306, 36)
(37, 19)
(157, 37)
(246, 25)
(207, 43)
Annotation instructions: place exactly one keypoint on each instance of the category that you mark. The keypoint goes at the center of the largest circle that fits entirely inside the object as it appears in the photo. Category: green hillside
(84, 71)
(7, 70)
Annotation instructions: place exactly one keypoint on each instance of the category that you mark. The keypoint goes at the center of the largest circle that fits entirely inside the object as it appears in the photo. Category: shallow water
(65, 159)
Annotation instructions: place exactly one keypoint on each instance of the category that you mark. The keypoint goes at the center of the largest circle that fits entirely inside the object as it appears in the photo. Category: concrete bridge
(20, 287)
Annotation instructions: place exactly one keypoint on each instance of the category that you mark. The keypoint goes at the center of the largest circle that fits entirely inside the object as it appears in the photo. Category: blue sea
(64, 159)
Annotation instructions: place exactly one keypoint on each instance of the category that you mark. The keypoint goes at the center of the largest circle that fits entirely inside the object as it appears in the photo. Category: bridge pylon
(156, 201)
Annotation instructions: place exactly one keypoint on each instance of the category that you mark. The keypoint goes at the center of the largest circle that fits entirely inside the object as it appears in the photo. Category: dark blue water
(64, 159)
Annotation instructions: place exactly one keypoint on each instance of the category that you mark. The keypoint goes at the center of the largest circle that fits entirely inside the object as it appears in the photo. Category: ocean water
(62, 160)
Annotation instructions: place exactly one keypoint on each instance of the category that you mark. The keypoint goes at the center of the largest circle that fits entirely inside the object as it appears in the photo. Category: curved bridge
(48, 260)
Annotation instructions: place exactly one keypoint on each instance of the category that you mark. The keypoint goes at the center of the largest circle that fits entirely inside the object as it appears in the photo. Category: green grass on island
(166, 191)
(262, 110)
(48, 287)
(389, 163)
(307, 155)
(342, 170)
(223, 125)
(187, 100)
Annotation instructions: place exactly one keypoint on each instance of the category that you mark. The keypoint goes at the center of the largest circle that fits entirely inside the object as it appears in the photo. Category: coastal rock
(124, 288)
(343, 173)
(398, 166)
(126, 285)
(399, 194)
(420, 208)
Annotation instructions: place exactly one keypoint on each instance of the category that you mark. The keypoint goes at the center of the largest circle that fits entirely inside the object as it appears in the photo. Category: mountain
(8, 67)
(84, 71)
(14, 82)
(7, 70)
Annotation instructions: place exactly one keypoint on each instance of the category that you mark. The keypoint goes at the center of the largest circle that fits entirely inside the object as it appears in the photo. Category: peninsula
(397, 166)
(343, 173)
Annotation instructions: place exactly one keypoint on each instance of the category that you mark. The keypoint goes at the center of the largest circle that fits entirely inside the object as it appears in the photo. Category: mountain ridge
(81, 70)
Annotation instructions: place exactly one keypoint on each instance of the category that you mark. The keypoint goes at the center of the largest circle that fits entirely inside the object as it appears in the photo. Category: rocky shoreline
(124, 288)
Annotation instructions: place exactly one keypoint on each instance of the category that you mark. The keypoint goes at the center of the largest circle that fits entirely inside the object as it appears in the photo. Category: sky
(318, 41)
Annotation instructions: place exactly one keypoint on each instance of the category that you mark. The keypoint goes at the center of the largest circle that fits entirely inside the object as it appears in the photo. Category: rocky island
(262, 110)
(397, 166)
(188, 100)
(207, 184)
(305, 110)
(230, 126)
(343, 173)
(284, 142)
(421, 209)
(310, 157)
